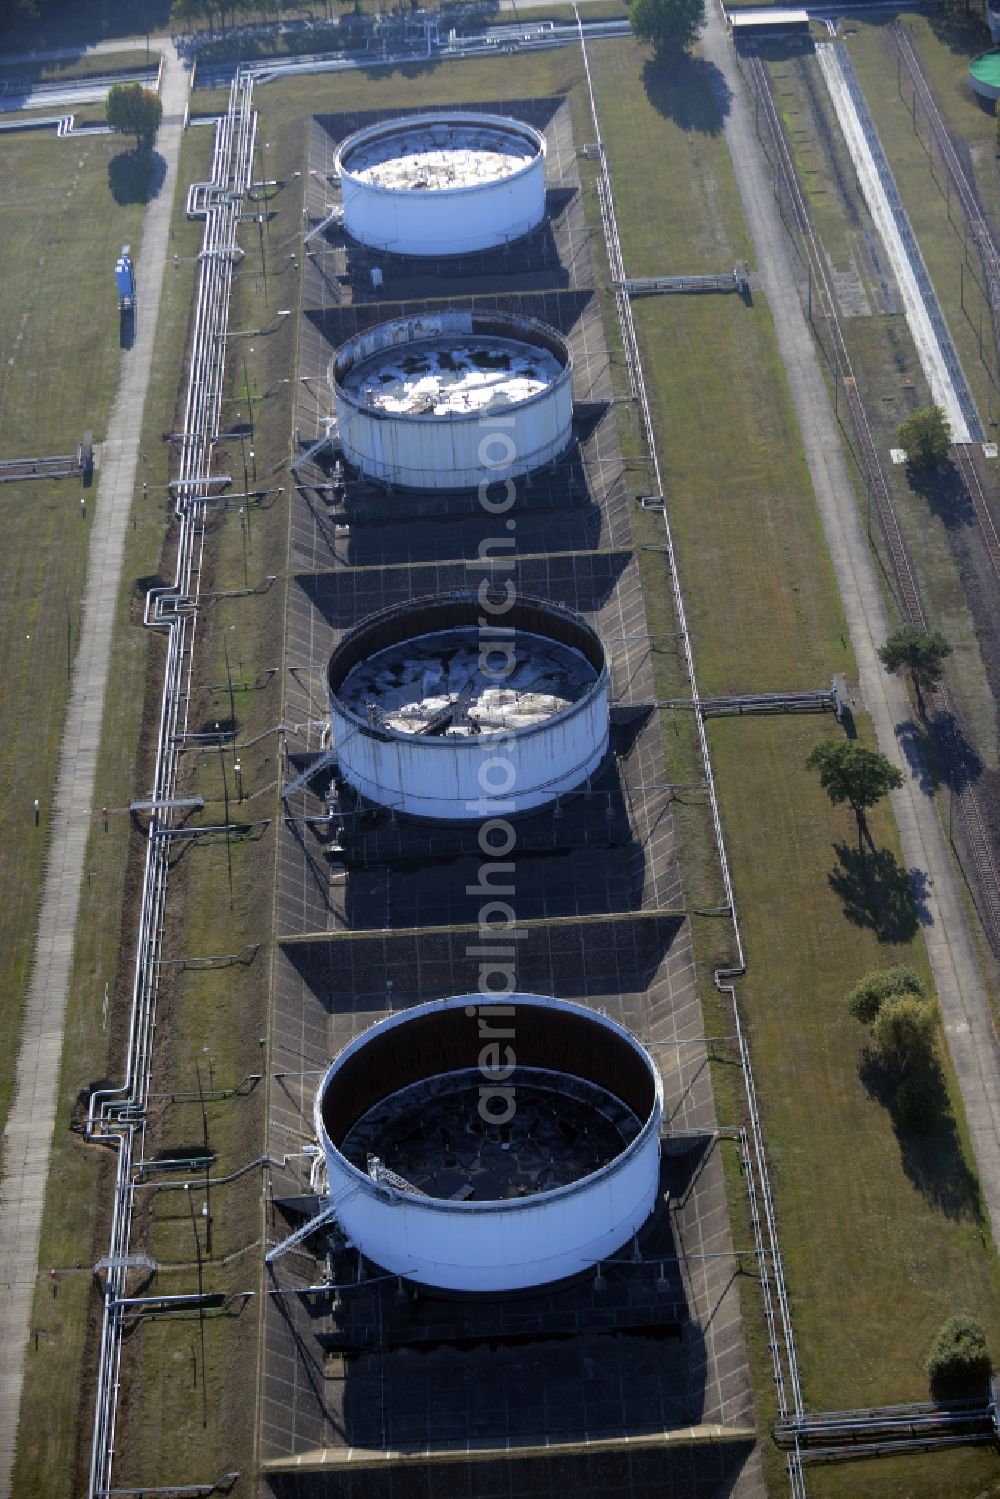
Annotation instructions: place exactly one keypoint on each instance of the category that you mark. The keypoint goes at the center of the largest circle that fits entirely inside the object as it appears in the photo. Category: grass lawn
(51, 1450)
(60, 231)
(882, 1236)
(945, 50)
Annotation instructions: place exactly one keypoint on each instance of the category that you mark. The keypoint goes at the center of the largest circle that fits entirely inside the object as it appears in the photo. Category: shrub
(926, 437)
(959, 1360)
(866, 998)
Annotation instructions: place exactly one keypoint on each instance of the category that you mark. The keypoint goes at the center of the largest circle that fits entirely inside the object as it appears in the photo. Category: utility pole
(232, 701)
(225, 796)
(246, 382)
(222, 762)
(204, 1135)
(201, 1306)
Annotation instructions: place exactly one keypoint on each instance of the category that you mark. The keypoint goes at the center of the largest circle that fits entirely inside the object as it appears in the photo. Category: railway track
(966, 800)
(977, 498)
(984, 238)
(822, 292)
(980, 229)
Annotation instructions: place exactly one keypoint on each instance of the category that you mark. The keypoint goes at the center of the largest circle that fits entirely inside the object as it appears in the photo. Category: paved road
(962, 995)
(28, 1134)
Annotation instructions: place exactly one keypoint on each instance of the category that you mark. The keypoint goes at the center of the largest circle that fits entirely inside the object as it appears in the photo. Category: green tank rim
(986, 68)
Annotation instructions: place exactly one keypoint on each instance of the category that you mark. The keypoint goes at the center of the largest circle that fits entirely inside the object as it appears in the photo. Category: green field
(868, 1220)
(50, 1450)
(60, 231)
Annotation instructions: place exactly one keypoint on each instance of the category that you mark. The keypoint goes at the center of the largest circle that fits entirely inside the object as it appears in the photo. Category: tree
(134, 110)
(959, 1358)
(185, 12)
(892, 1001)
(921, 654)
(670, 26)
(868, 995)
(848, 772)
(926, 437)
(904, 1034)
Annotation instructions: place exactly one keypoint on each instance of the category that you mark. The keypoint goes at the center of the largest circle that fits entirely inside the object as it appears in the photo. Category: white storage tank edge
(506, 1243)
(434, 778)
(502, 1249)
(442, 183)
(454, 399)
(466, 774)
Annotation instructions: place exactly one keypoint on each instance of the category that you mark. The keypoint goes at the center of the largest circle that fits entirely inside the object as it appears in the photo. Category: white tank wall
(459, 221)
(451, 221)
(502, 1246)
(415, 452)
(455, 451)
(449, 777)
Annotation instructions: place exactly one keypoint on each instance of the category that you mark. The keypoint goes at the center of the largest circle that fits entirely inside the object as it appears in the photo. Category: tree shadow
(952, 751)
(136, 176)
(939, 753)
(688, 90)
(944, 492)
(917, 752)
(931, 1155)
(880, 893)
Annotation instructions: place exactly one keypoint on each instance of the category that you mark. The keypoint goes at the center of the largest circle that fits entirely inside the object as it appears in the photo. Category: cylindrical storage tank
(442, 183)
(489, 1144)
(464, 706)
(453, 399)
(984, 74)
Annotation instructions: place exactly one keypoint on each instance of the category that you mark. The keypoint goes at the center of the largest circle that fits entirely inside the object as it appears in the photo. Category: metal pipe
(116, 1115)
